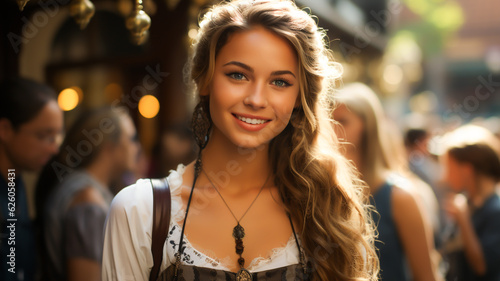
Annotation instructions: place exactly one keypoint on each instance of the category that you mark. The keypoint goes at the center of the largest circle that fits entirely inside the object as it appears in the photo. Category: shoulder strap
(161, 222)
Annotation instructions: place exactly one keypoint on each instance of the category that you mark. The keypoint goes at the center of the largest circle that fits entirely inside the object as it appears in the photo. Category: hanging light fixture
(138, 23)
(81, 11)
(21, 4)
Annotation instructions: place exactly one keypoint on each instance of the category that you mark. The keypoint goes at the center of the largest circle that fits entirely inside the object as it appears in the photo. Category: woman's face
(352, 127)
(127, 150)
(36, 141)
(254, 89)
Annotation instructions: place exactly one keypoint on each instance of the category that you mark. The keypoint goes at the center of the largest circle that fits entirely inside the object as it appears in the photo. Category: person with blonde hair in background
(405, 235)
(472, 170)
(270, 197)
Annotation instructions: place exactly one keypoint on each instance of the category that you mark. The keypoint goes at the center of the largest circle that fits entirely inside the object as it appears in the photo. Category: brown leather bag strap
(161, 222)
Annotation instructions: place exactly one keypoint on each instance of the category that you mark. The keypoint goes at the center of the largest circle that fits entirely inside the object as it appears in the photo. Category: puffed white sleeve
(127, 239)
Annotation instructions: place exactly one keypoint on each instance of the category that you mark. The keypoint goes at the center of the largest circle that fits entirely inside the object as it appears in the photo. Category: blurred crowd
(437, 212)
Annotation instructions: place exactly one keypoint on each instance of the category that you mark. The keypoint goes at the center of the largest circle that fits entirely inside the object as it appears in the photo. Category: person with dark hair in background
(73, 193)
(426, 166)
(421, 162)
(31, 123)
(416, 141)
(472, 164)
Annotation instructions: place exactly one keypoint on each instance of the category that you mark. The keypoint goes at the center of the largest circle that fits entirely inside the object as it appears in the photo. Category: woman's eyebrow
(282, 72)
(248, 68)
(240, 64)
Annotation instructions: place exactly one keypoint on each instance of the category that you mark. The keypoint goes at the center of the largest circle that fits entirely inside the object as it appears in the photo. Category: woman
(31, 123)
(404, 231)
(472, 161)
(73, 194)
(268, 173)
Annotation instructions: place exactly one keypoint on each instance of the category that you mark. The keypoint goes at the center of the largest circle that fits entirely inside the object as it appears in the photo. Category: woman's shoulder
(406, 203)
(491, 207)
(401, 187)
(133, 201)
(404, 199)
(88, 195)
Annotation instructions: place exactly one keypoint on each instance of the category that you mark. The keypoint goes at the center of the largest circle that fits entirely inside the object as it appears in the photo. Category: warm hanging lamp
(21, 4)
(138, 23)
(81, 11)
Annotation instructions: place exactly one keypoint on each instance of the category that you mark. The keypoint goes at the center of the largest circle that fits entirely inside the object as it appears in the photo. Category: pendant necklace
(239, 232)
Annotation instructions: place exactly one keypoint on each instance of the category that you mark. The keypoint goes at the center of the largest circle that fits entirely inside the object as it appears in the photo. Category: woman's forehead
(259, 47)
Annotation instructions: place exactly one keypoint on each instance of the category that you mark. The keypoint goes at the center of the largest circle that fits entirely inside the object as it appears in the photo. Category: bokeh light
(192, 33)
(68, 99)
(448, 16)
(393, 74)
(424, 102)
(149, 106)
(79, 91)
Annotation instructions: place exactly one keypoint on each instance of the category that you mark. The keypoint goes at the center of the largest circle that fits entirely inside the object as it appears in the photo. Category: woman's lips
(250, 122)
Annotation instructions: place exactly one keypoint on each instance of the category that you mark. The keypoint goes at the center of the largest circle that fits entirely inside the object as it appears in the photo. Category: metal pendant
(238, 232)
(243, 275)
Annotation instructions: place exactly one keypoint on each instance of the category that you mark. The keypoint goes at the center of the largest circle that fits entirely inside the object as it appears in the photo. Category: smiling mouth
(251, 121)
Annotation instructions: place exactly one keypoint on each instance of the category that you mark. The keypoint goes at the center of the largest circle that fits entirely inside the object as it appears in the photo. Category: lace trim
(175, 180)
(274, 254)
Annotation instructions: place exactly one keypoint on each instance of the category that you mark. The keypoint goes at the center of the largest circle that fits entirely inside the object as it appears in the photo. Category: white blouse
(127, 242)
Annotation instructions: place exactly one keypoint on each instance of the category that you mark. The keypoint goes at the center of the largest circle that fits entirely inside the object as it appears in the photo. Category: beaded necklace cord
(238, 230)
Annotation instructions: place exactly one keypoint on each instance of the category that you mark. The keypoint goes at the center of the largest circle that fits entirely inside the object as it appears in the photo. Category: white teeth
(252, 121)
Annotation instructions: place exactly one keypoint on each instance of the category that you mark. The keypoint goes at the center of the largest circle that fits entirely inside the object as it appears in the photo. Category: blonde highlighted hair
(319, 187)
(374, 145)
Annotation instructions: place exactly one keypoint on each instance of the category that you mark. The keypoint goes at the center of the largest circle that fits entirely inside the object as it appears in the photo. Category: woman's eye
(281, 83)
(236, 76)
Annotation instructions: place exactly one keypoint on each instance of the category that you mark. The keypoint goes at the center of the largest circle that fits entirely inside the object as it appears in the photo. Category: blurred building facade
(100, 65)
(473, 62)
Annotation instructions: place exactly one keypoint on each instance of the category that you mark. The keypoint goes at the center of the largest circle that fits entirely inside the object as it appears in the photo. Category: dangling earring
(201, 124)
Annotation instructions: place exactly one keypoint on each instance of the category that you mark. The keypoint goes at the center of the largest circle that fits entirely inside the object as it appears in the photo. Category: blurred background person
(73, 193)
(139, 171)
(421, 162)
(30, 132)
(425, 166)
(406, 178)
(175, 146)
(472, 161)
(405, 233)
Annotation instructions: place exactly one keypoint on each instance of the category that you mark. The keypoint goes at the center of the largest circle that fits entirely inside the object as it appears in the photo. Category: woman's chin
(252, 146)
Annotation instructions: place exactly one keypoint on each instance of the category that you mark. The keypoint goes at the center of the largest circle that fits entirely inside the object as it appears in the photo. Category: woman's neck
(233, 167)
(100, 171)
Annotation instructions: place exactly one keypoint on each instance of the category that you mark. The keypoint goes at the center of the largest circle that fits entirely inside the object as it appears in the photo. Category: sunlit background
(425, 58)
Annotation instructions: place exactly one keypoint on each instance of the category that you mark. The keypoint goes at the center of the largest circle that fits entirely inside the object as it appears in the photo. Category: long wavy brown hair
(319, 187)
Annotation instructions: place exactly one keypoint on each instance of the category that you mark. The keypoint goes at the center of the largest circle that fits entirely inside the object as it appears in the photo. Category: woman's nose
(256, 96)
